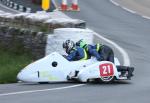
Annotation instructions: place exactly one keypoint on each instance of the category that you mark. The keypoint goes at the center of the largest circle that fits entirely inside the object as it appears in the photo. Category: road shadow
(77, 82)
(111, 83)
(50, 83)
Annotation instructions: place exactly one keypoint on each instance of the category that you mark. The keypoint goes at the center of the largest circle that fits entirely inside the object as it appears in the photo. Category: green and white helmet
(81, 43)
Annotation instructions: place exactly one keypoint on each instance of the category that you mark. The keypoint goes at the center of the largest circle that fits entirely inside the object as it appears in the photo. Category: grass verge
(11, 64)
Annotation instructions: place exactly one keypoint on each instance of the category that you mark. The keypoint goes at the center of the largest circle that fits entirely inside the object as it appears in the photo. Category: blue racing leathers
(101, 52)
(105, 51)
(91, 50)
(77, 53)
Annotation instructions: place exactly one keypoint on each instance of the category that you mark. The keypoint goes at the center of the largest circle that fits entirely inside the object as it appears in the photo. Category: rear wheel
(43, 82)
(107, 79)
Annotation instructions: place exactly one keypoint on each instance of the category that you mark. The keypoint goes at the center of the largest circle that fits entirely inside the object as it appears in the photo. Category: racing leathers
(105, 52)
(77, 53)
(101, 52)
(92, 51)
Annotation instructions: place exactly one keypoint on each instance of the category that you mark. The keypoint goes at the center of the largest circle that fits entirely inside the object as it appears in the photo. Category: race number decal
(106, 70)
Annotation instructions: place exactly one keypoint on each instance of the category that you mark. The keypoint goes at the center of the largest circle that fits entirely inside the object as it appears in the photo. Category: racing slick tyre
(43, 82)
(108, 79)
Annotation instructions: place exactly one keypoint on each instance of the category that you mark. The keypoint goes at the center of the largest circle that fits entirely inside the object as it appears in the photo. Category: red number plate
(106, 70)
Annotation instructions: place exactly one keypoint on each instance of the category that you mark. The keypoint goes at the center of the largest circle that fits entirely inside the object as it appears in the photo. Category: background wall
(28, 32)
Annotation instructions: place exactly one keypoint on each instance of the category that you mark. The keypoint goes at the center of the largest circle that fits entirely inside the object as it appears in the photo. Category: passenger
(103, 53)
(74, 52)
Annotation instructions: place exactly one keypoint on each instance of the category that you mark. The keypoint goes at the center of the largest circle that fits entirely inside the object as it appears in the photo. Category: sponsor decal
(46, 74)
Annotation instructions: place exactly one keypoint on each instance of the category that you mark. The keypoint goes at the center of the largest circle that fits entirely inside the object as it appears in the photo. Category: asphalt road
(142, 7)
(128, 30)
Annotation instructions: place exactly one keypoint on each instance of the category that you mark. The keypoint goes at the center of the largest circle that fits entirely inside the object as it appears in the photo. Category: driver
(74, 52)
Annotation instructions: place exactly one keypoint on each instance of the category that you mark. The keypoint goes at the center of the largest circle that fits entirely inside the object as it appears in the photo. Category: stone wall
(27, 32)
(23, 40)
(42, 22)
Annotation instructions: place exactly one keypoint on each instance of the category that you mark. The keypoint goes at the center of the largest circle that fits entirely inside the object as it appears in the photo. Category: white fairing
(55, 68)
(93, 71)
(116, 61)
(42, 70)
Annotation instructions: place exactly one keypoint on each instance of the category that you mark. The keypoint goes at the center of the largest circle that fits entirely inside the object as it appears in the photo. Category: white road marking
(125, 56)
(43, 90)
(146, 17)
(131, 11)
(115, 3)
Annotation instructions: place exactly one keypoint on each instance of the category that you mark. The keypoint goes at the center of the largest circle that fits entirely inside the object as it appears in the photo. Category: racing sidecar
(56, 68)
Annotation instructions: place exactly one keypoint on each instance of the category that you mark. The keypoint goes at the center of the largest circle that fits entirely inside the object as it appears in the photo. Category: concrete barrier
(54, 42)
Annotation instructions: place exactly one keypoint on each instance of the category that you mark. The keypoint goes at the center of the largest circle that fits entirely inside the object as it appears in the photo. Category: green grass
(11, 64)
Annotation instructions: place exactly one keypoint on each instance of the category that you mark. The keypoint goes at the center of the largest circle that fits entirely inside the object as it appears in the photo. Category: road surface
(130, 31)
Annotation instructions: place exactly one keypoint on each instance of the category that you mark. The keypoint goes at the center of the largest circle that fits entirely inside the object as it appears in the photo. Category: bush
(11, 64)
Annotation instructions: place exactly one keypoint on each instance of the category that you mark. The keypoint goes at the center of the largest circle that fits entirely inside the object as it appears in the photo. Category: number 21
(106, 69)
